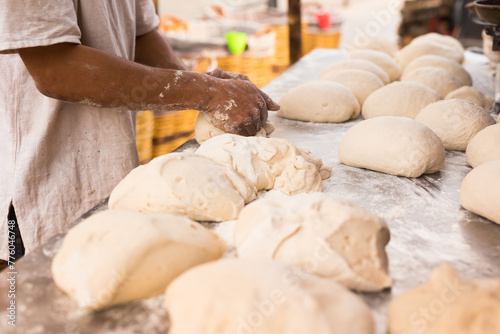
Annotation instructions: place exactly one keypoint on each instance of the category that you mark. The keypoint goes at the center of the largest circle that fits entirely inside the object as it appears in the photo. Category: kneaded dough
(400, 98)
(117, 256)
(419, 48)
(447, 303)
(449, 41)
(268, 163)
(455, 121)
(439, 79)
(185, 184)
(361, 83)
(204, 129)
(377, 43)
(382, 59)
(480, 190)
(484, 146)
(241, 296)
(438, 61)
(319, 101)
(393, 145)
(320, 234)
(357, 64)
(472, 95)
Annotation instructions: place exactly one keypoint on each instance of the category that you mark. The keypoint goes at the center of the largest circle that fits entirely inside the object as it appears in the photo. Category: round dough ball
(382, 59)
(378, 43)
(438, 61)
(439, 79)
(400, 98)
(361, 83)
(393, 145)
(241, 296)
(319, 101)
(357, 64)
(117, 256)
(472, 95)
(484, 146)
(455, 121)
(449, 41)
(427, 47)
(480, 191)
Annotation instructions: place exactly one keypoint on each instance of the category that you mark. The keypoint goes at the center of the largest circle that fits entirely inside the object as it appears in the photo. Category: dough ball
(382, 59)
(378, 43)
(361, 83)
(447, 303)
(455, 121)
(241, 296)
(267, 163)
(439, 79)
(183, 184)
(472, 95)
(400, 98)
(332, 232)
(319, 101)
(484, 146)
(204, 129)
(438, 61)
(357, 64)
(480, 191)
(449, 41)
(117, 256)
(393, 145)
(419, 48)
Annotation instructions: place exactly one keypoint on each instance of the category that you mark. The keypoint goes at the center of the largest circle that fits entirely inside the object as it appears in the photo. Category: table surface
(427, 224)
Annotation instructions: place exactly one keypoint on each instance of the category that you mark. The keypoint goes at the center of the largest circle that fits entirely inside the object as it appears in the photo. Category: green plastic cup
(236, 42)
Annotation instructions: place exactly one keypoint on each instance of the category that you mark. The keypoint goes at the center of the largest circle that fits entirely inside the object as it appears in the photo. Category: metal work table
(427, 224)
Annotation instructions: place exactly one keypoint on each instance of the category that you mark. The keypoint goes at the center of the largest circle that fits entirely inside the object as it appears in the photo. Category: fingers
(271, 105)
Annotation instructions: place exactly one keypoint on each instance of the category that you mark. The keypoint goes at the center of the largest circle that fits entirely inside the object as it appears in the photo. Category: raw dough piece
(382, 59)
(240, 296)
(361, 83)
(319, 101)
(455, 121)
(427, 47)
(438, 61)
(357, 64)
(447, 303)
(393, 145)
(117, 256)
(184, 184)
(449, 41)
(400, 98)
(439, 79)
(320, 234)
(204, 129)
(485, 146)
(268, 163)
(378, 43)
(480, 191)
(473, 95)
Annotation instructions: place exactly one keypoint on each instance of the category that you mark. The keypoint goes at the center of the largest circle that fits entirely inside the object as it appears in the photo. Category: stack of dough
(484, 146)
(447, 303)
(320, 234)
(241, 296)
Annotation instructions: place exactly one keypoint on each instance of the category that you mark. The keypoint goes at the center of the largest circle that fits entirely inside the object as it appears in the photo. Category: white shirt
(58, 160)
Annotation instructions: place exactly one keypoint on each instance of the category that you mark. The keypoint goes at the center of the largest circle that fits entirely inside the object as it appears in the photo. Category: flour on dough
(439, 79)
(472, 95)
(382, 59)
(439, 61)
(357, 64)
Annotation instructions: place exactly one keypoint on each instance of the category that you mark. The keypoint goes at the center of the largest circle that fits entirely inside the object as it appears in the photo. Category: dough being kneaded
(333, 232)
(117, 256)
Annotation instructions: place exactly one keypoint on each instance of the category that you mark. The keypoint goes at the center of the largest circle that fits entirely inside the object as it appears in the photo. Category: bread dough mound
(378, 43)
(241, 296)
(480, 191)
(447, 303)
(439, 79)
(438, 61)
(484, 146)
(183, 184)
(419, 48)
(297, 229)
(357, 64)
(117, 256)
(449, 41)
(400, 98)
(472, 95)
(382, 59)
(319, 101)
(361, 83)
(268, 163)
(392, 145)
(204, 129)
(455, 121)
